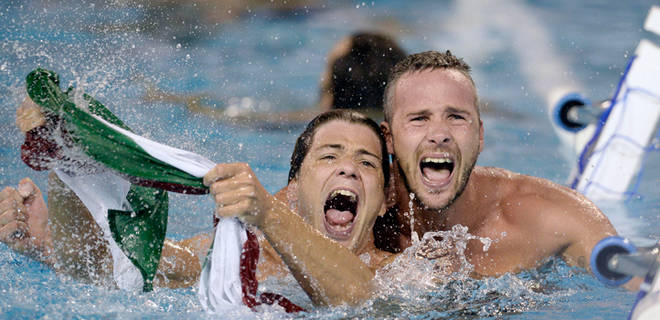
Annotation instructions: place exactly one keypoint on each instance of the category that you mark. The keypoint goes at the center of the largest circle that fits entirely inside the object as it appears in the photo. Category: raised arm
(24, 221)
(329, 273)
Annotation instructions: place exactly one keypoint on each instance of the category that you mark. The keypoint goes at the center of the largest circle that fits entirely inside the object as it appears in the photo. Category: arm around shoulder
(578, 221)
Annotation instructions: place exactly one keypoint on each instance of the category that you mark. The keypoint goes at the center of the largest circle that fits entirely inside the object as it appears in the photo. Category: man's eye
(419, 118)
(328, 157)
(456, 116)
(368, 164)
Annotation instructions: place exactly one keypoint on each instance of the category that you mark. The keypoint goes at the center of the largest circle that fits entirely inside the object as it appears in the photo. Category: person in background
(357, 72)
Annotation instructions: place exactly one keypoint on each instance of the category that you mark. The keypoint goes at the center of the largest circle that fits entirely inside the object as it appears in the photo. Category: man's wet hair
(428, 60)
(358, 78)
(306, 138)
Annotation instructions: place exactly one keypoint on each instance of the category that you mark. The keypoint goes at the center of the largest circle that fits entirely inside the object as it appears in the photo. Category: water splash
(411, 214)
(428, 263)
(412, 286)
(433, 277)
(58, 38)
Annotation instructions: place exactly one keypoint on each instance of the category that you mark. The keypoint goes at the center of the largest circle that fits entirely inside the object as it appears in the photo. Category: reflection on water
(258, 58)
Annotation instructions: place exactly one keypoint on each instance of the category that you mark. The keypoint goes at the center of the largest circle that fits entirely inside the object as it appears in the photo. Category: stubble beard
(462, 184)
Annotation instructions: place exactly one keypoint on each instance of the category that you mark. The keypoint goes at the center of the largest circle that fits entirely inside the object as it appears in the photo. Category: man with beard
(434, 132)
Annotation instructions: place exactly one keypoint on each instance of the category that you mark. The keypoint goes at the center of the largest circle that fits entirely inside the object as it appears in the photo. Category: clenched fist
(238, 193)
(24, 220)
(29, 116)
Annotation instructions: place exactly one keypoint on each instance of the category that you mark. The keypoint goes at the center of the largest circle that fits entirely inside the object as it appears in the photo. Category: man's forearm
(181, 261)
(78, 245)
(329, 273)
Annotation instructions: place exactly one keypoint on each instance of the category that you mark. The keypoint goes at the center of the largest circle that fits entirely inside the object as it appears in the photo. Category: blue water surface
(272, 60)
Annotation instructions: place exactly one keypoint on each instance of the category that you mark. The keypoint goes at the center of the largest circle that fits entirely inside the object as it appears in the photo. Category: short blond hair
(428, 60)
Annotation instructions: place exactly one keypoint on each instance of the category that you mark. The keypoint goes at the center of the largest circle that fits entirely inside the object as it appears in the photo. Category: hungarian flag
(138, 222)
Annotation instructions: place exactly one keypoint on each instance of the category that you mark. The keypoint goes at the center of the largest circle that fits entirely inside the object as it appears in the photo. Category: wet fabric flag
(138, 220)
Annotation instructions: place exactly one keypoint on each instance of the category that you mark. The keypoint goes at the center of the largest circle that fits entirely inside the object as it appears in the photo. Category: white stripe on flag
(186, 161)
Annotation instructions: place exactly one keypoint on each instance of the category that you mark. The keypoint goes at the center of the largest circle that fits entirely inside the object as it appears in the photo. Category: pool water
(268, 60)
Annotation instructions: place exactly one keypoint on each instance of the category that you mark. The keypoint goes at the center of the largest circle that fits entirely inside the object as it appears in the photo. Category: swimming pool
(272, 61)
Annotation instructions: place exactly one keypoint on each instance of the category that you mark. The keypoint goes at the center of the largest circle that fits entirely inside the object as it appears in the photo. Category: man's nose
(347, 168)
(438, 133)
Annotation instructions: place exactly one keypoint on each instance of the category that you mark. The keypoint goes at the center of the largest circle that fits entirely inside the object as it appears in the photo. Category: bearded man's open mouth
(436, 171)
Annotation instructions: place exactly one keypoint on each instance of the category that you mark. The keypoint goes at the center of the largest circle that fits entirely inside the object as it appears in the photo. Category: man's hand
(29, 116)
(238, 193)
(24, 220)
(445, 254)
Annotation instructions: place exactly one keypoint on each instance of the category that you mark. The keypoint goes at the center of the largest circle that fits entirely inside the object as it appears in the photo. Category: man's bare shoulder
(282, 194)
(509, 185)
(525, 199)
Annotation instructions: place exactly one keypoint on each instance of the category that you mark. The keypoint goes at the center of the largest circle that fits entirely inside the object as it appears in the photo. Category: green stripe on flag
(140, 235)
(139, 238)
(99, 141)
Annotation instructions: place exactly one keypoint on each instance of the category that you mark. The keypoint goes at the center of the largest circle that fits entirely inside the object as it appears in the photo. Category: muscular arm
(531, 219)
(582, 225)
(562, 220)
(588, 226)
(328, 272)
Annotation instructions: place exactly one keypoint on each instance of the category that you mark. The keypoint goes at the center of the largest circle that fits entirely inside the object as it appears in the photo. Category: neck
(366, 245)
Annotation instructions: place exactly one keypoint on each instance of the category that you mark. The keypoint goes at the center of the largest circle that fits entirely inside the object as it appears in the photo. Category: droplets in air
(413, 235)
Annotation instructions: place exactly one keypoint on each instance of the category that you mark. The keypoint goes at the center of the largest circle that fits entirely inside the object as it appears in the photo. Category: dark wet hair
(428, 60)
(359, 77)
(306, 138)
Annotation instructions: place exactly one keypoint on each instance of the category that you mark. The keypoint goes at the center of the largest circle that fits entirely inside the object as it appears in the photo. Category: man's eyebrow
(453, 109)
(341, 147)
(450, 109)
(419, 113)
(366, 152)
(330, 146)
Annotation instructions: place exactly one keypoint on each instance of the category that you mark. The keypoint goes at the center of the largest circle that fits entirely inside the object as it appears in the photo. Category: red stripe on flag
(249, 283)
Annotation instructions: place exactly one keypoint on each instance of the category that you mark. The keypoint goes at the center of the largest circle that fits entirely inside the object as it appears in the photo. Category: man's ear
(292, 195)
(481, 135)
(387, 133)
(383, 208)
